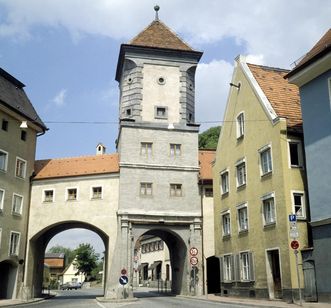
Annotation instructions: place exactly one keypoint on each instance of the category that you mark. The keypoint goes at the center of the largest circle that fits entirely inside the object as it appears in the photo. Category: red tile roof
(54, 263)
(158, 35)
(206, 158)
(283, 96)
(76, 166)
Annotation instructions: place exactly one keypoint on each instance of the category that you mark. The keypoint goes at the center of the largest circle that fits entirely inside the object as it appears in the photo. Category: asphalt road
(86, 298)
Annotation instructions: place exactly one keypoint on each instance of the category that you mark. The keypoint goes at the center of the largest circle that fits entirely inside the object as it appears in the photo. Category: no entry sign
(294, 244)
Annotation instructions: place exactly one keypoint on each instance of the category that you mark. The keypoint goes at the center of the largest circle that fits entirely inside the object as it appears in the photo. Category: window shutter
(221, 269)
(232, 268)
(251, 267)
(236, 268)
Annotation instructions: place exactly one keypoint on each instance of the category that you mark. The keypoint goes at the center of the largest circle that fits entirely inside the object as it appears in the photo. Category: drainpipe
(202, 240)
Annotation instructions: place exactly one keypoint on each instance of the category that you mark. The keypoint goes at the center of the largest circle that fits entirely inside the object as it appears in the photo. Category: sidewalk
(17, 302)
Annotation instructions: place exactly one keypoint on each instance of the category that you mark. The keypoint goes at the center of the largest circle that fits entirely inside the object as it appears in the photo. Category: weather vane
(156, 9)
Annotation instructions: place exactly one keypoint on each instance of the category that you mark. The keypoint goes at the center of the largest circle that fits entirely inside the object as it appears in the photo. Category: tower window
(4, 125)
(161, 112)
(23, 135)
(128, 112)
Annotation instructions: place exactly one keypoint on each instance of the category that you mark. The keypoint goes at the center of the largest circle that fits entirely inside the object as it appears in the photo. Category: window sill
(71, 200)
(161, 117)
(226, 237)
(224, 195)
(243, 232)
(16, 214)
(20, 177)
(96, 198)
(51, 201)
(269, 225)
(266, 175)
(242, 186)
(240, 138)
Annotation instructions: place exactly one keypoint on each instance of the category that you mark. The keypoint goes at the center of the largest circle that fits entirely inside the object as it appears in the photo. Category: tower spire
(156, 9)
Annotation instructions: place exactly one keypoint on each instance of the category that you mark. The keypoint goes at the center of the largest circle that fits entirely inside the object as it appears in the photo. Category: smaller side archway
(33, 280)
(8, 273)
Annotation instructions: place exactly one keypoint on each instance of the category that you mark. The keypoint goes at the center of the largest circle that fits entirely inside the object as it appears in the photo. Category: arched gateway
(156, 189)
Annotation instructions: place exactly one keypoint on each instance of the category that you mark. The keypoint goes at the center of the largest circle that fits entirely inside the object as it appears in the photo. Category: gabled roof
(54, 255)
(206, 158)
(76, 166)
(283, 96)
(13, 97)
(158, 35)
(322, 47)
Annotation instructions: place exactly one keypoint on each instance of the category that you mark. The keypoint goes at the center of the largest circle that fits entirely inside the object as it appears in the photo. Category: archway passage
(213, 275)
(159, 261)
(37, 247)
(8, 272)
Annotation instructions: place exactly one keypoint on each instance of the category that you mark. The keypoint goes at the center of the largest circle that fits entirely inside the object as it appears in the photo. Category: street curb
(29, 302)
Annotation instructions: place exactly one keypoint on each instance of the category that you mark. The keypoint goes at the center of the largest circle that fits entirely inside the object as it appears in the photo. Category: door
(274, 274)
(309, 292)
(213, 275)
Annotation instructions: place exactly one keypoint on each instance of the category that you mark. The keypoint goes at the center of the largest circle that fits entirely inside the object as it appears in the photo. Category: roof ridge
(278, 69)
(73, 157)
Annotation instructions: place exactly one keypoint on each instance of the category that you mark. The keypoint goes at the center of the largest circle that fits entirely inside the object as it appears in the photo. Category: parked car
(71, 286)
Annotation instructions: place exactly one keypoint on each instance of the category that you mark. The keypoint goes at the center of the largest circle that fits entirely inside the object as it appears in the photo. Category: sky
(66, 52)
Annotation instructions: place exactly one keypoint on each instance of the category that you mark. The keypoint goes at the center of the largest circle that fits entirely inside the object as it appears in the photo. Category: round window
(161, 80)
(130, 80)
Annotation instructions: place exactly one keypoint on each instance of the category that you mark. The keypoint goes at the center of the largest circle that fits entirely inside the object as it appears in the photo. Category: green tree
(68, 253)
(86, 259)
(209, 138)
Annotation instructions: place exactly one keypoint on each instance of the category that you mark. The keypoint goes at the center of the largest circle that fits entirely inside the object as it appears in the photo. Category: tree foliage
(86, 259)
(209, 138)
(68, 253)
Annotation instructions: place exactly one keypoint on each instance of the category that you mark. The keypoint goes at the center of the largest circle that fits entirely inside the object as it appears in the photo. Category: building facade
(20, 126)
(259, 180)
(312, 75)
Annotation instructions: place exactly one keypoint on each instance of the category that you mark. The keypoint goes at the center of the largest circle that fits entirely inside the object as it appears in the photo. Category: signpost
(194, 262)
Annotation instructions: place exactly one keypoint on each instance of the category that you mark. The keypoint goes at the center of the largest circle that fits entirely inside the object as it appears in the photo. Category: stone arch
(36, 249)
(178, 251)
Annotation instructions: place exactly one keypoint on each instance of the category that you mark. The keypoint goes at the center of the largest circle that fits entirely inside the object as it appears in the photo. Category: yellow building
(259, 180)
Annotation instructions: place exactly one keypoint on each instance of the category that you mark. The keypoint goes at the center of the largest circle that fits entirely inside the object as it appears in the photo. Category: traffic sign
(194, 251)
(123, 280)
(123, 271)
(194, 260)
(292, 218)
(295, 244)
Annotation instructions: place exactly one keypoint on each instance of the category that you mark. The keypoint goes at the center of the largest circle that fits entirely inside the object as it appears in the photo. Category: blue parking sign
(292, 218)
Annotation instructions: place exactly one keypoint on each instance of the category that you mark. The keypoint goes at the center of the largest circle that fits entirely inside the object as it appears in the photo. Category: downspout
(202, 240)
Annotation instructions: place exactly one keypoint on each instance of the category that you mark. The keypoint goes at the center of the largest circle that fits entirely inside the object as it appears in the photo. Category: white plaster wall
(155, 94)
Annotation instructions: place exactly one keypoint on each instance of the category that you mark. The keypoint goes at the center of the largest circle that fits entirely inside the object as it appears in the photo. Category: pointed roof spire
(156, 9)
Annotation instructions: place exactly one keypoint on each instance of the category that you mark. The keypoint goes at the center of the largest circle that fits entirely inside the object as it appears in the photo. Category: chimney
(101, 149)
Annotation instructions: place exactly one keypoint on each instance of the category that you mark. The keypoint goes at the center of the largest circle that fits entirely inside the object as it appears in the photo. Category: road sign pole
(297, 267)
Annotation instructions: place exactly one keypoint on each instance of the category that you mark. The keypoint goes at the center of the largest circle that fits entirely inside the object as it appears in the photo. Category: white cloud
(212, 87)
(59, 98)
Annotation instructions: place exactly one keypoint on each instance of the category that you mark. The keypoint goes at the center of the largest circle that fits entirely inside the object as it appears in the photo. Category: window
(14, 243)
(71, 194)
(146, 149)
(3, 160)
(4, 125)
(17, 204)
(240, 125)
(242, 217)
(226, 224)
(175, 150)
(245, 266)
(227, 267)
(97, 192)
(269, 215)
(225, 182)
(295, 153)
(265, 159)
(20, 168)
(241, 173)
(2, 198)
(208, 191)
(299, 204)
(146, 189)
(23, 135)
(128, 112)
(175, 190)
(161, 112)
(48, 195)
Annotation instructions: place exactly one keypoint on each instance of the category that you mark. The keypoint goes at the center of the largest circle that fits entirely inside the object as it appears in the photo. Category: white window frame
(245, 269)
(44, 195)
(226, 228)
(67, 194)
(6, 161)
(240, 125)
(16, 167)
(2, 199)
(176, 187)
(146, 149)
(242, 227)
(144, 189)
(175, 149)
(225, 173)
(300, 153)
(263, 200)
(303, 203)
(14, 212)
(228, 269)
(262, 151)
(92, 193)
(17, 247)
(238, 164)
